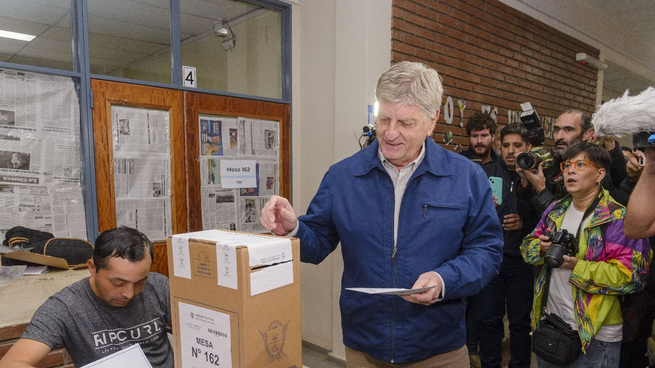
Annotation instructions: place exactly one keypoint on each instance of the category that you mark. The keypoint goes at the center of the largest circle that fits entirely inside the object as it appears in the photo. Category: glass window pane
(130, 39)
(48, 22)
(40, 159)
(235, 47)
(142, 176)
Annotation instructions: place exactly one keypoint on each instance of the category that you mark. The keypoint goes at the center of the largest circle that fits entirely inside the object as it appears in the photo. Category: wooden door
(197, 104)
(107, 95)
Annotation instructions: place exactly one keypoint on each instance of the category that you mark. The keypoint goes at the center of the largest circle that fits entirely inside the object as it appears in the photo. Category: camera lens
(555, 256)
(528, 160)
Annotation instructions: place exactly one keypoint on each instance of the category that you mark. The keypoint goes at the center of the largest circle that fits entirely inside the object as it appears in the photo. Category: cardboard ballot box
(235, 300)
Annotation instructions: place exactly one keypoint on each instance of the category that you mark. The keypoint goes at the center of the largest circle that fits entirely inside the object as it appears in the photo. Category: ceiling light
(220, 30)
(16, 36)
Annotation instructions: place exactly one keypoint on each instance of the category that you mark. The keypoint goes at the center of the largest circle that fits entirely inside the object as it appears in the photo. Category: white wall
(339, 49)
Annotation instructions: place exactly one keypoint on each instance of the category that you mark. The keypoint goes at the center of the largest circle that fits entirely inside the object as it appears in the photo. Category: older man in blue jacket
(408, 214)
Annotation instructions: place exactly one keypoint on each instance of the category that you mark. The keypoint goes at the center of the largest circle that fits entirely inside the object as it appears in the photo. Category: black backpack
(75, 251)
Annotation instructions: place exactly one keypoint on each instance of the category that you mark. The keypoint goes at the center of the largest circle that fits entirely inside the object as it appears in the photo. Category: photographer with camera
(513, 285)
(572, 126)
(589, 264)
(639, 308)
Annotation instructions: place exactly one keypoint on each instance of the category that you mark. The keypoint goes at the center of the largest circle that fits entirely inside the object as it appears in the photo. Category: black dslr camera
(369, 132)
(564, 243)
(531, 160)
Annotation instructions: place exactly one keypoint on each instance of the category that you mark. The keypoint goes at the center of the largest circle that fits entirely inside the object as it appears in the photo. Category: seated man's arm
(25, 353)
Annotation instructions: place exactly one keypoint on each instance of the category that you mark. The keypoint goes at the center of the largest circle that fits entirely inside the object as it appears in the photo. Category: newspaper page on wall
(227, 141)
(40, 161)
(142, 176)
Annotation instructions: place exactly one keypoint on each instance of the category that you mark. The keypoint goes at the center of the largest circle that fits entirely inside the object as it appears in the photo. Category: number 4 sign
(189, 76)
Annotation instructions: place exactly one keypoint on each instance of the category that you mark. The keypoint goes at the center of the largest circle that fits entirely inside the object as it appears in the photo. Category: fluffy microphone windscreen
(626, 114)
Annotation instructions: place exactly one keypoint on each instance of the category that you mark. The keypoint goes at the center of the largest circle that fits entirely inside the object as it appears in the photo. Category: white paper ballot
(391, 291)
(132, 357)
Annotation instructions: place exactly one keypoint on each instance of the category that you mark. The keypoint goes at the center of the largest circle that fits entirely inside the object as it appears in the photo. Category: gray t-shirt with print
(90, 329)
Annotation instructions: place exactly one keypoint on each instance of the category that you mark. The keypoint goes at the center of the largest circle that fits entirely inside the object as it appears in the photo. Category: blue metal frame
(86, 131)
(81, 73)
(176, 51)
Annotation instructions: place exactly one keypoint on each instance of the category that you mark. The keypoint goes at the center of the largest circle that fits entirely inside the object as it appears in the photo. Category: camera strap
(587, 213)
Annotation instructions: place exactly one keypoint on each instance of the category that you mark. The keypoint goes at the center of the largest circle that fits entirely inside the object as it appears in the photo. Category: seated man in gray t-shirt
(121, 304)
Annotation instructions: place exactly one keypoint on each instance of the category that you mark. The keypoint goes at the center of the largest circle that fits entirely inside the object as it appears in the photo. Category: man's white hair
(413, 83)
(626, 114)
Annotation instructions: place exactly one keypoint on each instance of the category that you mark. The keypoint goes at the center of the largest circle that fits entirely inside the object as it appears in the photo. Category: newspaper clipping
(230, 138)
(40, 167)
(142, 174)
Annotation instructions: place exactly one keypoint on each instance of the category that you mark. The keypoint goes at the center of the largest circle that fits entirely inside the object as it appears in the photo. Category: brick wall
(491, 54)
(56, 358)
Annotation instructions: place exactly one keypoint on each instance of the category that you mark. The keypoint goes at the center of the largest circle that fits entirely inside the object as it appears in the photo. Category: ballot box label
(205, 337)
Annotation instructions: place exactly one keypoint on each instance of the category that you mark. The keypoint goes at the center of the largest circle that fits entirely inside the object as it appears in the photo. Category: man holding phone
(513, 285)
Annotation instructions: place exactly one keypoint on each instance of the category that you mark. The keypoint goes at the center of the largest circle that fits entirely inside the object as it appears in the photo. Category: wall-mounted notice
(239, 170)
(239, 174)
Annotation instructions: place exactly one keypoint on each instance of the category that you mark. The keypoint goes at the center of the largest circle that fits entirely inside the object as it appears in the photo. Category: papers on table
(391, 291)
(35, 270)
(132, 357)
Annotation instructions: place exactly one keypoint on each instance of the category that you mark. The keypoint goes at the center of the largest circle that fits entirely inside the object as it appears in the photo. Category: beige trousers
(454, 359)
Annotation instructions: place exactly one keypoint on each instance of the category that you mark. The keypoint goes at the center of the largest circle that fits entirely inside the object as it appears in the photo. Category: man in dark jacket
(481, 129)
(408, 214)
(574, 126)
(513, 285)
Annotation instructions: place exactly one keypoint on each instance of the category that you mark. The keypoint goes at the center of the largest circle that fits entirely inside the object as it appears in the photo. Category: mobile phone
(497, 188)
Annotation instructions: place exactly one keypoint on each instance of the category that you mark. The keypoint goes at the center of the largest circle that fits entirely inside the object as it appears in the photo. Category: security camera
(229, 43)
(585, 59)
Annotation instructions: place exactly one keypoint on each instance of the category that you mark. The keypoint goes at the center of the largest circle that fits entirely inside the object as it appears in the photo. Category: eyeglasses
(580, 165)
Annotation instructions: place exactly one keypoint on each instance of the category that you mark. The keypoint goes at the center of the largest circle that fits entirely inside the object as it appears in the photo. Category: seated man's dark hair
(481, 121)
(627, 149)
(596, 154)
(122, 242)
(515, 128)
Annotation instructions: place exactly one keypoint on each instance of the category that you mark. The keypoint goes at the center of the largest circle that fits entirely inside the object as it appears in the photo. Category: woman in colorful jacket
(585, 290)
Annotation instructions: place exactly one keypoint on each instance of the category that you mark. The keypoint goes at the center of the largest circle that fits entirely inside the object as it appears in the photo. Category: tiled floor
(315, 359)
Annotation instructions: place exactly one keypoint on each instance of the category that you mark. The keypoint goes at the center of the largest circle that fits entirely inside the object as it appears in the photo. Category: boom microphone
(626, 115)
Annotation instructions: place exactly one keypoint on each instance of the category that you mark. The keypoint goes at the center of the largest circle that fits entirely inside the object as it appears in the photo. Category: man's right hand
(278, 216)
(536, 178)
(633, 167)
(544, 243)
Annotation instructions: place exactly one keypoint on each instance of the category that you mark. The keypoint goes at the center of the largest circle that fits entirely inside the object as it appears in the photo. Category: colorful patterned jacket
(606, 268)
